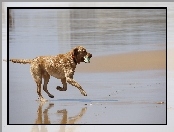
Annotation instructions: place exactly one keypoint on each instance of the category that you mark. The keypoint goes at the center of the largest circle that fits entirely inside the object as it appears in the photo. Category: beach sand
(145, 60)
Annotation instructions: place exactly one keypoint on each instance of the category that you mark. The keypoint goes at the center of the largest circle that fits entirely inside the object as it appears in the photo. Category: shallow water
(101, 31)
(120, 98)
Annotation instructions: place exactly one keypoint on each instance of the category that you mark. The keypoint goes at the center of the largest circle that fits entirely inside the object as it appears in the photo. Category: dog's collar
(74, 59)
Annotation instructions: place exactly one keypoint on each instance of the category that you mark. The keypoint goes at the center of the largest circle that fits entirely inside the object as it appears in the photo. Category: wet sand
(122, 89)
(146, 60)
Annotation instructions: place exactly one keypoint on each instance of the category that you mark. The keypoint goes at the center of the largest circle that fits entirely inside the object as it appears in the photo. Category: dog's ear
(75, 51)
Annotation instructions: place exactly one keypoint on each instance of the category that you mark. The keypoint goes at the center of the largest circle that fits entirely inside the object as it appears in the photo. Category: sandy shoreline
(145, 60)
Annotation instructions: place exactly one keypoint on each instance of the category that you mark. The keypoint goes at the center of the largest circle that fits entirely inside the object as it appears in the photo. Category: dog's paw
(51, 96)
(84, 93)
(43, 100)
(59, 88)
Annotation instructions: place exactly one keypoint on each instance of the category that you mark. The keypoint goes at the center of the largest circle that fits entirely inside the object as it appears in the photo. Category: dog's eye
(84, 50)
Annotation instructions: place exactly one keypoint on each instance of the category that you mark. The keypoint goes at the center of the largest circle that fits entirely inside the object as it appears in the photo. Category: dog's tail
(22, 61)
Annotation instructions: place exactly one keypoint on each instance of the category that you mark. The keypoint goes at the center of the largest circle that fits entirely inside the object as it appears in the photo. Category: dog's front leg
(74, 83)
(63, 80)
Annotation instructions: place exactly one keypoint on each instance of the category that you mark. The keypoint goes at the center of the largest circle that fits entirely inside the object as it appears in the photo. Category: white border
(120, 128)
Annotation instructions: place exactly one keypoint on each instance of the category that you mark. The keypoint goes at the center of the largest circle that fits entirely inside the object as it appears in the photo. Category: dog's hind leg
(39, 92)
(37, 76)
(46, 77)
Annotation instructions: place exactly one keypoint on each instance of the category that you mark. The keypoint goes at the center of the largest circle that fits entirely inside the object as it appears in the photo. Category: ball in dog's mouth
(86, 59)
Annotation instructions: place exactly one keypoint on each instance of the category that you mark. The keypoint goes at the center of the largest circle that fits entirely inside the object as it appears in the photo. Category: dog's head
(81, 55)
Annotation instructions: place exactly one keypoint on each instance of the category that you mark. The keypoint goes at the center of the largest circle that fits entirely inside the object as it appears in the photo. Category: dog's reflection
(43, 116)
(45, 119)
(71, 120)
